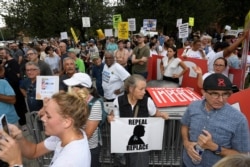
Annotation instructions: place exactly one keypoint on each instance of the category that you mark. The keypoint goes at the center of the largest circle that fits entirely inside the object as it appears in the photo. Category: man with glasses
(214, 125)
(32, 56)
(28, 86)
(140, 57)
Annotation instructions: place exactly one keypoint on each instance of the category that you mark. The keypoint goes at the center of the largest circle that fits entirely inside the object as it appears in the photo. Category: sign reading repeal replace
(169, 97)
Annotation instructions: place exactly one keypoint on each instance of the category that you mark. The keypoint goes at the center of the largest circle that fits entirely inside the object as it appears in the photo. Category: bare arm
(23, 92)
(164, 115)
(184, 67)
(8, 99)
(91, 126)
(28, 149)
(233, 46)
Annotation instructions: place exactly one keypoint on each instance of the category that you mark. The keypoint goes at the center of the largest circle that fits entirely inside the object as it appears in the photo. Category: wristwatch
(218, 151)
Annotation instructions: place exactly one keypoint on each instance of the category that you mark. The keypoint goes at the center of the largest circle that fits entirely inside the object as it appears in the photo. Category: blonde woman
(65, 115)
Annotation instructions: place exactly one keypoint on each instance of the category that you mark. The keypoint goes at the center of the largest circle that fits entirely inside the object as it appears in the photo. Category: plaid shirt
(228, 127)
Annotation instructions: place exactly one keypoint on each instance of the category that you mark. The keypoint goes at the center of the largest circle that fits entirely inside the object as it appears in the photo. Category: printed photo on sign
(137, 134)
(149, 24)
(46, 86)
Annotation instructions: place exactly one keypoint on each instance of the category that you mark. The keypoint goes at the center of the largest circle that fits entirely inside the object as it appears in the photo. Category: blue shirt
(7, 108)
(30, 88)
(228, 127)
(97, 74)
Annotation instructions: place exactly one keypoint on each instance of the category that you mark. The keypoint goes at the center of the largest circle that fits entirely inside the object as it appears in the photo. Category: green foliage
(48, 18)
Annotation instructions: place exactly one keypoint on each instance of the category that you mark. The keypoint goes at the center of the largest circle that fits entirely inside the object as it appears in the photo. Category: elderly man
(70, 69)
(213, 125)
(28, 86)
(33, 57)
(80, 67)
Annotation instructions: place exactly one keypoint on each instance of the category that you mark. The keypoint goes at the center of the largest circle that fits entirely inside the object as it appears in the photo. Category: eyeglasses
(30, 54)
(31, 70)
(216, 95)
(219, 65)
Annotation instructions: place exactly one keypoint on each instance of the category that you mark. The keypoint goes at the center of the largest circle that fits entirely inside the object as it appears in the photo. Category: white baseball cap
(79, 79)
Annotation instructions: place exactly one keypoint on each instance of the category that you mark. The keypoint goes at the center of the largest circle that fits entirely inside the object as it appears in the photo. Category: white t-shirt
(112, 79)
(194, 54)
(153, 52)
(53, 62)
(74, 154)
(171, 67)
(151, 107)
(164, 53)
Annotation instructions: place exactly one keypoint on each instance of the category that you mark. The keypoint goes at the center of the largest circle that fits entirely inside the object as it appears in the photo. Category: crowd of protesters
(99, 68)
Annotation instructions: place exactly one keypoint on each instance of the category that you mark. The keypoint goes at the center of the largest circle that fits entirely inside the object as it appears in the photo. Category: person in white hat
(81, 83)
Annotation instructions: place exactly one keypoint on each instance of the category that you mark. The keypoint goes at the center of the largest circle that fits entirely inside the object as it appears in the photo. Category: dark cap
(217, 81)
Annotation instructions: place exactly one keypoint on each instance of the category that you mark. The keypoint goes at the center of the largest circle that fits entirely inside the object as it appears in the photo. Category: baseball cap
(217, 81)
(79, 79)
(94, 56)
(72, 50)
(91, 41)
(139, 34)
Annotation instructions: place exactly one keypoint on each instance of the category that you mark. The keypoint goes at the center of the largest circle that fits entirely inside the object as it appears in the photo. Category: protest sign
(85, 22)
(136, 134)
(191, 21)
(123, 30)
(116, 19)
(183, 30)
(108, 32)
(167, 97)
(63, 35)
(46, 86)
(149, 24)
(131, 24)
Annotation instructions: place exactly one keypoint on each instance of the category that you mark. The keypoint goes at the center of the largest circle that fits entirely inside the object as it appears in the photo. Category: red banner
(169, 97)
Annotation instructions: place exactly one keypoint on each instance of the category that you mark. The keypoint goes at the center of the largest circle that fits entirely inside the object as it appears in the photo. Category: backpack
(104, 113)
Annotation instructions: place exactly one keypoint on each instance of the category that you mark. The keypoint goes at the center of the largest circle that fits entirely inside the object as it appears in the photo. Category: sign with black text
(136, 134)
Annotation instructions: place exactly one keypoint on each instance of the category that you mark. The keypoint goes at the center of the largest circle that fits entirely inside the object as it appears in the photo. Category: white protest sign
(136, 134)
(46, 86)
(131, 24)
(85, 22)
(178, 22)
(64, 35)
(183, 30)
(108, 32)
(227, 27)
(232, 32)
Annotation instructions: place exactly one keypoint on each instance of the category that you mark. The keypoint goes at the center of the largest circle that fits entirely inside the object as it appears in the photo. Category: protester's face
(216, 99)
(3, 54)
(139, 90)
(109, 59)
(62, 47)
(219, 66)
(54, 122)
(128, 44)
(72, 55)
(197, 46)
(13, 46)
(121, 45)
(32, 56)
(97, 61)
(171, 53)
(69, 66)
(140, 39)
(32, 71)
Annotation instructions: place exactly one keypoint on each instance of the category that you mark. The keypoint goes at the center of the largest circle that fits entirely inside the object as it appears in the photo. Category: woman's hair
(132, 80)
(74, 105)
(237, 160)
(222, 58)
(174, 49)
(47, 49)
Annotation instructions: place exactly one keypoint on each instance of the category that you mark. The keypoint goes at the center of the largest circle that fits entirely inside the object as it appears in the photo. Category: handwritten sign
(167, 97)
(123, 30)
(183, 30)
(137, 135)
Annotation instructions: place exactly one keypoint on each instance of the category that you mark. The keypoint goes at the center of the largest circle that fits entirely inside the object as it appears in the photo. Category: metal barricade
(171, 153)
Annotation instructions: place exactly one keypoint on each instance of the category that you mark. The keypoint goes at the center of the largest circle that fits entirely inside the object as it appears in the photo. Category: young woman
(134, 96)
(81, 83)
(170, 65)
(64, 116)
